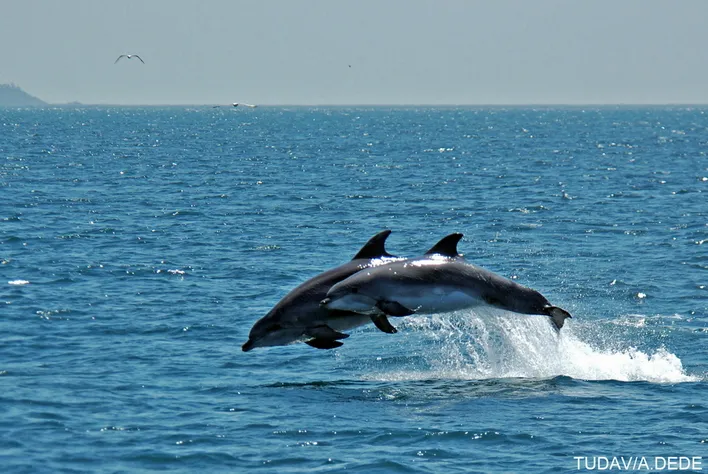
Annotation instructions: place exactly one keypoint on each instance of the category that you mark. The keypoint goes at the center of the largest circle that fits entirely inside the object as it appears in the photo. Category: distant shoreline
(12, 96)
(432, 106)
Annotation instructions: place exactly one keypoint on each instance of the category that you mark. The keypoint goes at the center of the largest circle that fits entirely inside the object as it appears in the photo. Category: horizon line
(427, 105)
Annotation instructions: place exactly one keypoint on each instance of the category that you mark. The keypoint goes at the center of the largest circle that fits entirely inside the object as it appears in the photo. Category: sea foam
(486, 345)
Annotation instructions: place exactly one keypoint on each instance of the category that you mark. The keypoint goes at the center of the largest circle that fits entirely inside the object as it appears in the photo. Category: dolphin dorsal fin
(447, 246)
(375, 247)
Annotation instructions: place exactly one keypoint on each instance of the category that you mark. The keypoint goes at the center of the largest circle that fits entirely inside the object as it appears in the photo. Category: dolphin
(439, 281)
(300, 317)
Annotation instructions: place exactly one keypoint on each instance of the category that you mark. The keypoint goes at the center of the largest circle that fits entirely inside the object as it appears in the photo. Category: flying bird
(130, 56)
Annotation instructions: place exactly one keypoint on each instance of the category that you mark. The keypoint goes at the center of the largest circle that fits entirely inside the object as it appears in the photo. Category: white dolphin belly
(346, 323)
(355, 303)
(439, 300)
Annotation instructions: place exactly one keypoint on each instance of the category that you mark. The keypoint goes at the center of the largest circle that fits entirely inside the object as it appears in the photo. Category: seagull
(130, 56)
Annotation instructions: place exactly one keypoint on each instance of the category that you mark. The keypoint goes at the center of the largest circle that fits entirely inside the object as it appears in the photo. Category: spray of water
(486, 345)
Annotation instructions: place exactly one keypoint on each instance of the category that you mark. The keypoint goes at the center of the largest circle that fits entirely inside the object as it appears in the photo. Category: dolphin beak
(247, 346)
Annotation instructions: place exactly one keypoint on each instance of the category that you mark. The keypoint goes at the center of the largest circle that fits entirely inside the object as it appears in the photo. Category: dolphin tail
(558, 316)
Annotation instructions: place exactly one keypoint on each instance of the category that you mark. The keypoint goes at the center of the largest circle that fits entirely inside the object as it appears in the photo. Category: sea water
(139, 245)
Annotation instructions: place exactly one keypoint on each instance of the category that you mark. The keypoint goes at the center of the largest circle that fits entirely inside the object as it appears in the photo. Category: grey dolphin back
(447, 246)
(375, 247)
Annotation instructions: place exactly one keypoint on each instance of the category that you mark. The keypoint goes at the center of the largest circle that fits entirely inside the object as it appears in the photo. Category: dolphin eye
(276, 327)
(355, 290)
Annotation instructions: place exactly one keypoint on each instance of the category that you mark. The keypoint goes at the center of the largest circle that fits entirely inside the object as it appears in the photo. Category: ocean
(138, 245)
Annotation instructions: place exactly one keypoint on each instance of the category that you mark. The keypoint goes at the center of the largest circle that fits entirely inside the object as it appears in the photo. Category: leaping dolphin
(300, 317)
(440, 281)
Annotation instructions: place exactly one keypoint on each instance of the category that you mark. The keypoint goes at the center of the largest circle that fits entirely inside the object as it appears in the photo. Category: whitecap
(18, 282)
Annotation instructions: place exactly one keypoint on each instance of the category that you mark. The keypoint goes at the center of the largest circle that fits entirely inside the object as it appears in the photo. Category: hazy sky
(400, 51)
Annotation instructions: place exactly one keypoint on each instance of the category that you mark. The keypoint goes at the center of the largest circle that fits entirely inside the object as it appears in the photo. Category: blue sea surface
(139, 245)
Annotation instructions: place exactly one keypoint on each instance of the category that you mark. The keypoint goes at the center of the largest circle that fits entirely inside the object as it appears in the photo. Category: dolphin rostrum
(300, 317)
(440, 281)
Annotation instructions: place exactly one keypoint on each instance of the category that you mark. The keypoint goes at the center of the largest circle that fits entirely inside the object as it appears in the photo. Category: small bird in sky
(130, 56)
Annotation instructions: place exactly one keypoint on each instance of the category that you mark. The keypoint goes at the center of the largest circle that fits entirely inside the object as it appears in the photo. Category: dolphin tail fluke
(558, 316)
(382, 322)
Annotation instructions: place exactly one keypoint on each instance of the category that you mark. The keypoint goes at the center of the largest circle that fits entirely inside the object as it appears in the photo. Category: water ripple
(139, 245)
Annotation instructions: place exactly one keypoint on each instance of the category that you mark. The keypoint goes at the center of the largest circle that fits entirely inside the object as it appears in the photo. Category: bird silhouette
(129, 56)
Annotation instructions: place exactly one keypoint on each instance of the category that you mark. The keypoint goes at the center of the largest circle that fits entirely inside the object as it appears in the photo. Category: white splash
(18, 282)
(466, 346)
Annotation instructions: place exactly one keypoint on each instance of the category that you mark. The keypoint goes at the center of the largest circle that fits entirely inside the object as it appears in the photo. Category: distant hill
(12, 96)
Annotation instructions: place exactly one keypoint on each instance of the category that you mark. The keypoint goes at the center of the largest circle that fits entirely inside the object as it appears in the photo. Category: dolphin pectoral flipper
(323, 343)
(381, 321)
(394, 308)
(324, 337)
(325, 332)
(558, 316)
